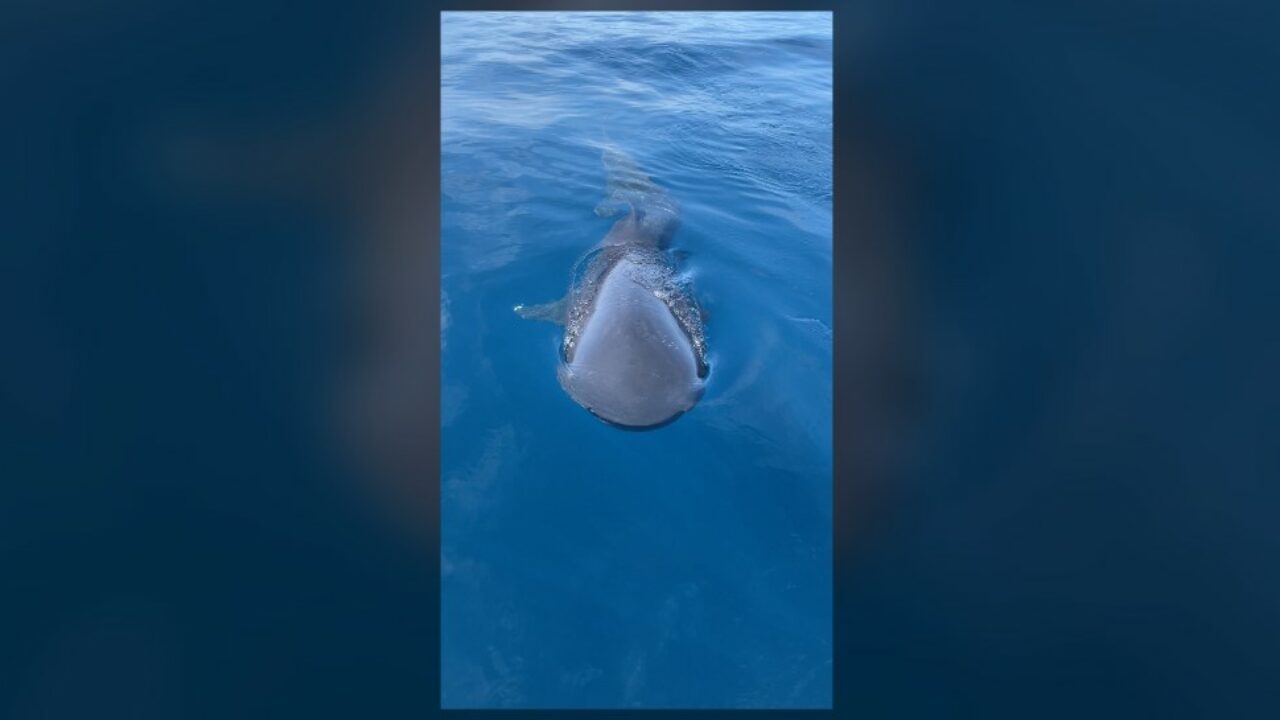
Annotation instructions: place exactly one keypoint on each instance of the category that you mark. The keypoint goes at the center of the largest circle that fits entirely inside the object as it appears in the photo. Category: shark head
(631, 364)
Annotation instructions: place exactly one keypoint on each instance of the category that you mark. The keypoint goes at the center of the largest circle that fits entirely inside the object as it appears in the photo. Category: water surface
(587, 566)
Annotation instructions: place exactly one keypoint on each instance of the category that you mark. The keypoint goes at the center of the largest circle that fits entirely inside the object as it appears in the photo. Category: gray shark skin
(634, 351)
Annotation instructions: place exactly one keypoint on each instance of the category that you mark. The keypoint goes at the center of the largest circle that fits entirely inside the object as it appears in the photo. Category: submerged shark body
(633, 351)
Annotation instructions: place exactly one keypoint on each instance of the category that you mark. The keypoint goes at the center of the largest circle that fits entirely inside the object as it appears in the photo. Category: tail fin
(650, 207)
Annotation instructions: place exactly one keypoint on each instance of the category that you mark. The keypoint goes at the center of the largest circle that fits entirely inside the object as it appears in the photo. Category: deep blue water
(587, 566)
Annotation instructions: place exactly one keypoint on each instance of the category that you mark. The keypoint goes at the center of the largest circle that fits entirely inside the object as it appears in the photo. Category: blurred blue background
(588, 566)
(1054, 405)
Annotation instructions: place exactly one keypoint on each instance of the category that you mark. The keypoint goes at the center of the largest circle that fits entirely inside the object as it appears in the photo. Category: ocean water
(588, 566)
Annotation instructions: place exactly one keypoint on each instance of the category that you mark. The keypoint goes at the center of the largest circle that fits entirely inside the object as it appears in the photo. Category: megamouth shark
(634, 350)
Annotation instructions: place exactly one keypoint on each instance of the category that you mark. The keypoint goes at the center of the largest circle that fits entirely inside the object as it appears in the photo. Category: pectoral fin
(550, 312)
